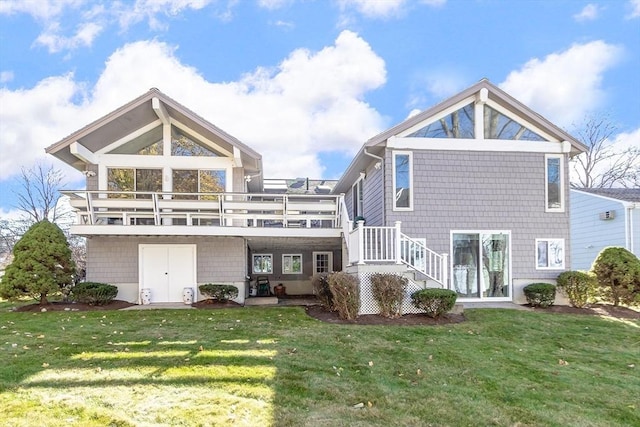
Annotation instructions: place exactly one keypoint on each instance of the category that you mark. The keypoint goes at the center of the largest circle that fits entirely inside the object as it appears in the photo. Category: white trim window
(262, 263)
(357, 192)
(292, 264)
(322, 262)
(554, 183)
(549, 254)
(402, 180)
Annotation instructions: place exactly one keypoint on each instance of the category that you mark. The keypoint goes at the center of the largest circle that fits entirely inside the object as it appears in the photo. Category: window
(262, 264)
(185, 145)
(459, 124)
(291, 264)
(403, 181)
(322, 262)
(198, 181)
(147, 144)
(499, 126)
(549, 254)
(124, 179)
(358, 197)
(554, 183)
(481, 264)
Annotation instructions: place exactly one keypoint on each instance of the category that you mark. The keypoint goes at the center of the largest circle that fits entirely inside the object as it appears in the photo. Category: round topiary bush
(93, 293)
(434, 301)
(540, 294)
(222, 293)
(617, 274)
(578, 286)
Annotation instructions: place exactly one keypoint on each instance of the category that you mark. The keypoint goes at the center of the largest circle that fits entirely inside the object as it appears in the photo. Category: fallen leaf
(370, 363)
(562, 362)
(431, 357)
(358, 405)
(45, 365)
(201, 348)
(419, 372)
(631, 366)
(369, 404)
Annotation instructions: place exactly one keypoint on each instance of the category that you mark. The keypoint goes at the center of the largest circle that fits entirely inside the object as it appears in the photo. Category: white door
(167, 270)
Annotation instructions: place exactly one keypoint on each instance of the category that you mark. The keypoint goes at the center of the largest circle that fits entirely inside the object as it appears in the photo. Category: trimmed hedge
(93, 293)
(578, 286)
(540, 294)
(388, 291)
(434, 301)
(220, 293)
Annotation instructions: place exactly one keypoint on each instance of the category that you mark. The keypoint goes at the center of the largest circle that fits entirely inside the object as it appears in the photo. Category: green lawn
(276, 366)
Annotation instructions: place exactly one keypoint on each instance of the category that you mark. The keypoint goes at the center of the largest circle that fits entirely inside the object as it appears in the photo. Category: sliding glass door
(481, 264)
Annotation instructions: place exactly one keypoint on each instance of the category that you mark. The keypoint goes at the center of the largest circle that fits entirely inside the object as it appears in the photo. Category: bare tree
(602, 166)
(39, 193)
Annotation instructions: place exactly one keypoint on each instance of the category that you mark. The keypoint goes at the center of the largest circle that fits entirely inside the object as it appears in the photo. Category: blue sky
(305, 83)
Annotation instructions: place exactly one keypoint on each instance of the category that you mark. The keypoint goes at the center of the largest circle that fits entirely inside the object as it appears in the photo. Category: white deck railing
(388, 244)
(220, 209)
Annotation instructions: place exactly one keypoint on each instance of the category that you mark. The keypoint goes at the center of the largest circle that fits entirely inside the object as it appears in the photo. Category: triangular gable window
(184, 145)
(499, 126)
(147, 144)
(459, 124)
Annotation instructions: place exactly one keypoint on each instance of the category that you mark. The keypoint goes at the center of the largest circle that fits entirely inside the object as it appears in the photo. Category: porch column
(398, 243)
(361, 242)
(444, 269)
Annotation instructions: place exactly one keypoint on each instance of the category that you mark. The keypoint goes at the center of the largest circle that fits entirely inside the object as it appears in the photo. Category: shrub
(345, 292)
(434, 301)
(578, 286)
(93, 293)
(388, 291)
(41, 265)
(540, 294)
(222, 293)
(320, 283)
(617, 274)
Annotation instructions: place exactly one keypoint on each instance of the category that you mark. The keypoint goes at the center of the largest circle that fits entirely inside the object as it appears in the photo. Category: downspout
(628, 225)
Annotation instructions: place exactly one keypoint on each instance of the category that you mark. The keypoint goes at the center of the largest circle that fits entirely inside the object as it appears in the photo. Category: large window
(185, 145)
(198, 181)
(549, 254)
(481, 264)
(262, 263)
(292, 264)
(459, 124)
(128, 179)
(499, 126)
(554, 183)
(403, 181)
(147, 144)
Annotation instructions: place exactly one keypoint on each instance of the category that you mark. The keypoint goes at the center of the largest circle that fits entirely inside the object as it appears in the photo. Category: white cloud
(588, 13)
(311, 102)
(6, 76)
(274, 4)
(635, 9)
(564, 86)
(374, 8)
(437, 83)
(151, 9)
(39, 9)
(55, 42)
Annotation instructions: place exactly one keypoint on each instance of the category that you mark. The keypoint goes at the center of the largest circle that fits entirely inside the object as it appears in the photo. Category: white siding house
(603, 217)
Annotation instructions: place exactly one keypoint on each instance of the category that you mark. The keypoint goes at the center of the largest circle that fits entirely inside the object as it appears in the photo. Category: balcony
(117, 212)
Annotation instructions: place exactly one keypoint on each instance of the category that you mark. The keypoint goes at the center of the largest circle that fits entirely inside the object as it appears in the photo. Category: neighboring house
(471, 195)
(602, 217)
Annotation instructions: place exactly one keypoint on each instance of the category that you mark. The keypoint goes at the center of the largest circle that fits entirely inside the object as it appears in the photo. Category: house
(602, 217)
(471, 195)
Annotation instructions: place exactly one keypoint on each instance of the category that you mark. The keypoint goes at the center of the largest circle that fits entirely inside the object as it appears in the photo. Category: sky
(305, 83)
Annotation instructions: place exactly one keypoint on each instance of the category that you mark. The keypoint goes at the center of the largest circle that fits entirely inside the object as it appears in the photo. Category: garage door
(167, 270)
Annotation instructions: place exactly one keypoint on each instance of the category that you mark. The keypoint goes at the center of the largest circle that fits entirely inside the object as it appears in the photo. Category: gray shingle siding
(482, 191)
(373, 197)
(115, 259)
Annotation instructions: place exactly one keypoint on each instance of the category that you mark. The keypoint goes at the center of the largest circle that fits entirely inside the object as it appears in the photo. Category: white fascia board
(495, 145)
(195, 230)
(160, 110)
(441, 114)
(237, 157)
(83, 153)
(129, 137)
(201, 138)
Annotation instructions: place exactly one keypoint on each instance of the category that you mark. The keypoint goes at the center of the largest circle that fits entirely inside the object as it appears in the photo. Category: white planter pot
(187, 295)
(145, 296)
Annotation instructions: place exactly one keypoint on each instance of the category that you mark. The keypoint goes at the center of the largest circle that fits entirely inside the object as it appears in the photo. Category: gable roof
(376, 144)
(622, 194)
(137, 114)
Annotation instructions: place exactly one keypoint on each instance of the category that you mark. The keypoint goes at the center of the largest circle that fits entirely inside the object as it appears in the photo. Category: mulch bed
(213, 304)
(593, 310)
(73, 306)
